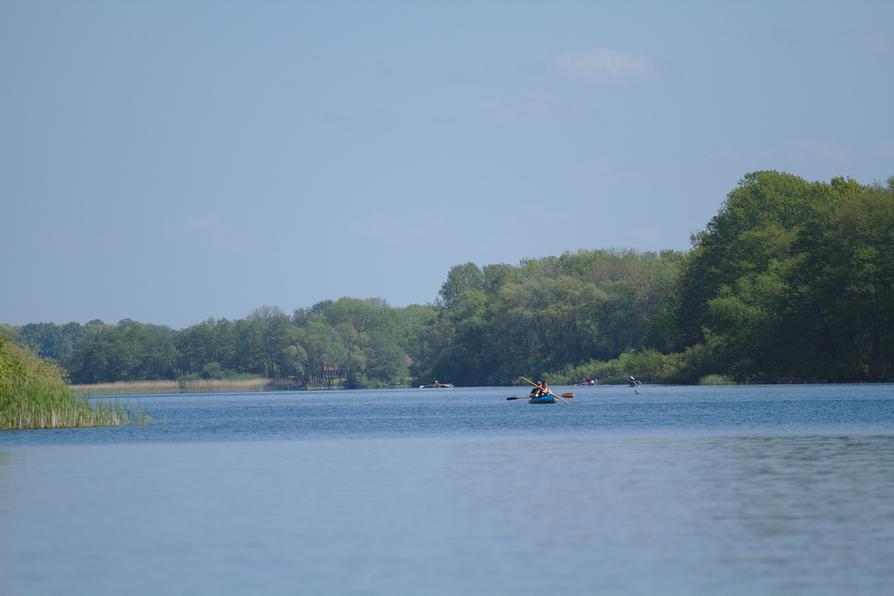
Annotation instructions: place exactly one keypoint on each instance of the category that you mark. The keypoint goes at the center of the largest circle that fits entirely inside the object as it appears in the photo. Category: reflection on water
(692, 509)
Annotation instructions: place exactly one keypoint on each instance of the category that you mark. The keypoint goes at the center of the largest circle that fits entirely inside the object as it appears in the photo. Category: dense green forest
(790, 281)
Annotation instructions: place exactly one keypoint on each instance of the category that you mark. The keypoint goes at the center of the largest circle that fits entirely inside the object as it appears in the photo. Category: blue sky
(174, 161)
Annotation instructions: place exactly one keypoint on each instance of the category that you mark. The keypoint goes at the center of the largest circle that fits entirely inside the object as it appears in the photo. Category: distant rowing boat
(437, 385)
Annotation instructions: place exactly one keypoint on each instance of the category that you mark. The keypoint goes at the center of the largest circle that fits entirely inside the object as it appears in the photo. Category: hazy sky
(174, 161)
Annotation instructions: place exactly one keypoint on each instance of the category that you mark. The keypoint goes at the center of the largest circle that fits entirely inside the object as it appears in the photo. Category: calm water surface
(675, 490)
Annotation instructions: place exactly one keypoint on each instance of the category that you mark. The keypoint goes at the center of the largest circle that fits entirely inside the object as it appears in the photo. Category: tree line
(790, 281)
(356, 343)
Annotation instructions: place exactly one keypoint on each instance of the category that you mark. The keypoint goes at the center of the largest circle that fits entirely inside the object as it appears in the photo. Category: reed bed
(57, 408)
(227, 385)
(125, 388)
(181, 386)
(33, 395)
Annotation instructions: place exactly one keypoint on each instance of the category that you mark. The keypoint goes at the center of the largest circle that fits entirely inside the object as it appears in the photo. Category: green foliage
(499, 322)
(123, 352)
(345, 342)
(47, 340)
(716, 380)
(33, 395)
(646, 365)
(793, 281)
(20, 368)
(755, 226)
(461, 278)
(213, 370)
(790, 280)
(841, 303)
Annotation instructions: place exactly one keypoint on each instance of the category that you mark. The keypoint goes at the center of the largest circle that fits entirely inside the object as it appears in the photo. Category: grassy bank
(33, 394)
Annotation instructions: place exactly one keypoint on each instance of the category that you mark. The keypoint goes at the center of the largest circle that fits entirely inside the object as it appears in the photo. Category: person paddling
(540, 389)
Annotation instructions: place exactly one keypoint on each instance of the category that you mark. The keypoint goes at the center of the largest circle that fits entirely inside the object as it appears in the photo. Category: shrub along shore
(33, 395)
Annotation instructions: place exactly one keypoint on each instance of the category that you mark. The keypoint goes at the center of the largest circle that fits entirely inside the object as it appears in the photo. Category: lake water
(674, 490)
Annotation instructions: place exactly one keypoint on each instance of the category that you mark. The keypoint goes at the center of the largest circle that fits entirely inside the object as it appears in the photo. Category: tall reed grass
(33, 395)
(58, 409)
(125, 388)
(181, 386)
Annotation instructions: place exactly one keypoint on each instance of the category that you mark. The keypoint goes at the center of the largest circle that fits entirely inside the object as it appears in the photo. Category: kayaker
(540, 389)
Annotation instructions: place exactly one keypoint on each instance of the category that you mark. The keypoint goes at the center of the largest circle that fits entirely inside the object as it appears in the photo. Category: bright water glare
(672, 490)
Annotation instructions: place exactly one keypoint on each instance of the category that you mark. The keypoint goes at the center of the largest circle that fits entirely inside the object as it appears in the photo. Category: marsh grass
(212, 385)
(58, 409)
(33, 395)
(125, 388)
(181, 386)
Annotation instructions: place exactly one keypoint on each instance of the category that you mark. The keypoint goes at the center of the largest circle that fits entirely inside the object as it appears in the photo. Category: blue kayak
(543, 399)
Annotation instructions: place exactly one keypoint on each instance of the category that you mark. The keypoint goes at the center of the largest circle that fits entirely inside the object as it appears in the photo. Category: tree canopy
(790, 280)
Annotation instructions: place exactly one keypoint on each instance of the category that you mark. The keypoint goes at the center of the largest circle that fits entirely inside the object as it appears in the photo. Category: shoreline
(263, 384)
(191, 386)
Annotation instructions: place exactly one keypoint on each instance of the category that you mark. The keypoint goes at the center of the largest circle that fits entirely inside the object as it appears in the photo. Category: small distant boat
(437, 385)
(588, 382)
